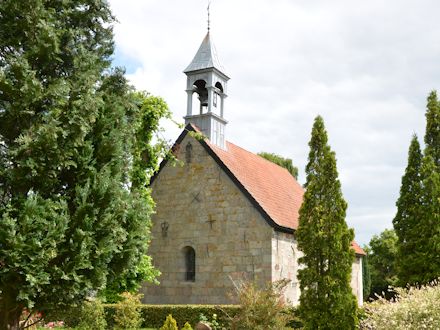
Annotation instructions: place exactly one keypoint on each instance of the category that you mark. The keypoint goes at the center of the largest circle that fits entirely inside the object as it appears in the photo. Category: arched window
(219, 87)
(188, 153)
(190, 263)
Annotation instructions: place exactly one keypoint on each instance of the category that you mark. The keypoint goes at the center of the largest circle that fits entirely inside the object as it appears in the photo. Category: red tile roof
(270, 185)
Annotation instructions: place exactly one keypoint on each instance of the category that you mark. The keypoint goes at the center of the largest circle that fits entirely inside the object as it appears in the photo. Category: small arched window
(188, 153)
(190, 263)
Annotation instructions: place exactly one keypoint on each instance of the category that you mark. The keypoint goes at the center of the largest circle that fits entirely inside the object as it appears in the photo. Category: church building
(226, 214)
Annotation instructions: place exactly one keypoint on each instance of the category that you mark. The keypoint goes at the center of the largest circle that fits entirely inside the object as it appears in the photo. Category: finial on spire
(209, 22)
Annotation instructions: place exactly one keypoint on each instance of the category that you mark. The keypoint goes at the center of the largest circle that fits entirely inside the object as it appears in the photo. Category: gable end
(267, 218)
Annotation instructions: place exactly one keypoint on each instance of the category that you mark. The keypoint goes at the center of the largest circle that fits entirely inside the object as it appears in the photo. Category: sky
(366, 67)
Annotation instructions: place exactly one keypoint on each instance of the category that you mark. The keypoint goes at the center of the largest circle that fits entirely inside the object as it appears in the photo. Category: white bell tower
(207, 80)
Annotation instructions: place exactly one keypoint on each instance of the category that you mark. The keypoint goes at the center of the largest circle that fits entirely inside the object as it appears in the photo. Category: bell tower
(206, 80)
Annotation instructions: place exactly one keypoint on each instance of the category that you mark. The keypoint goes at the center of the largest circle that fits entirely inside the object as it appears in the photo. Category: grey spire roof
(206, 57)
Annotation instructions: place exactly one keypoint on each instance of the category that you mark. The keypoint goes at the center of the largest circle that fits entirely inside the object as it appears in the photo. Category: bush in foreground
(170, 324)
(413, 308)
(89, 315)
(127, 313)
(261, 309)
(154, 315)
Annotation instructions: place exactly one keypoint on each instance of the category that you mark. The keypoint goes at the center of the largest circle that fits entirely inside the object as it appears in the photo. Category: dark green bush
(154, 315)
(294, 322)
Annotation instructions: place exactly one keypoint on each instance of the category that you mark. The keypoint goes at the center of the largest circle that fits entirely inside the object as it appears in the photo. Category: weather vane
(209, 22)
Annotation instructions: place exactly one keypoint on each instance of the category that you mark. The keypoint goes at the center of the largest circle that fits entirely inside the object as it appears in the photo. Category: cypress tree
(366, 274)
(430, 201)
(432, 133)
(417, 222)
(71, 221)
(326, 300)
(407, 220)
(428, 251)
(430, 209)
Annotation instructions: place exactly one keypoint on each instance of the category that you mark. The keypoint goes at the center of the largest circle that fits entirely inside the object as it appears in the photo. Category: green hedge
(154, 315)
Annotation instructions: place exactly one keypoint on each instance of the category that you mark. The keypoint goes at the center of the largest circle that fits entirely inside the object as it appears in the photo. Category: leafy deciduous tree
(326, 301)
(281, 161)
(382, 259)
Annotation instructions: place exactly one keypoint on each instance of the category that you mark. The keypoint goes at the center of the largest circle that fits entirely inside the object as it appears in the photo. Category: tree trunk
(10, 311)
(10, 320)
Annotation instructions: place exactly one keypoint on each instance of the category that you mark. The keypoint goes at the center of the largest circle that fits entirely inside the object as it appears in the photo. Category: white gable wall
(285, 265)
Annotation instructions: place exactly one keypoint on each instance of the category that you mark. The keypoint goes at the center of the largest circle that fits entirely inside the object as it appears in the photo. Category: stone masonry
(204, 210)
(198, 205)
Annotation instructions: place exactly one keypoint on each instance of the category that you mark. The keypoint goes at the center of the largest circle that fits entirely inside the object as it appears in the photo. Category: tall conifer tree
(430, 201)
(431, 190)
(407, 220)
(326, 301)
(417, 221)
(71, 221)
(428, 251)
(366, 274)
(432, 134)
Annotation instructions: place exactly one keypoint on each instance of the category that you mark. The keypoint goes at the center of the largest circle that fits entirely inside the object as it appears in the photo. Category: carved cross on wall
(211, 221)
(196, 197)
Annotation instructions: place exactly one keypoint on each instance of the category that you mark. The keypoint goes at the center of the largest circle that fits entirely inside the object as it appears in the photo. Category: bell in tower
(206, 79)
(200, 89)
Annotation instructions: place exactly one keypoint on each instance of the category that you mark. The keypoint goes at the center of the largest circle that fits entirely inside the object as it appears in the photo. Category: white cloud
(365, 66)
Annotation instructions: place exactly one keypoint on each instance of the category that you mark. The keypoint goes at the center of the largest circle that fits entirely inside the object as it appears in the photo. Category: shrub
(127, 312)
(154, 315)
(187, 326)
(213, 323)
(261, 309)
(413, 308)
(170, 324)
(90, 316)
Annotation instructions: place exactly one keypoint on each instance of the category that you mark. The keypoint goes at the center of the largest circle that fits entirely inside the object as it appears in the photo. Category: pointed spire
(206, 57)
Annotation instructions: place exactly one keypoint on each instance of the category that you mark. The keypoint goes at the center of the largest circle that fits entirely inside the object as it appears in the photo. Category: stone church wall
(197, 205)
(285, 265)
(356, 280)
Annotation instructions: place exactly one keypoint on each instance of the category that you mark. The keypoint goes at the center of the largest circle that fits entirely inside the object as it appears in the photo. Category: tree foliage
(382, 259)
(413, 308)
(281, 161)
(366, 274)
(432, 133)
(74, 206)
(417, 222)
(428, 250)
(326, 301)
(407, 220)
(429, 227)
